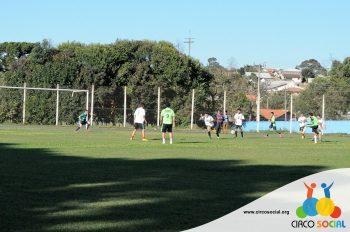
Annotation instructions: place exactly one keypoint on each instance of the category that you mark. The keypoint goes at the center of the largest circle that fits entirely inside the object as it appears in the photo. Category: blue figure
(327, 193)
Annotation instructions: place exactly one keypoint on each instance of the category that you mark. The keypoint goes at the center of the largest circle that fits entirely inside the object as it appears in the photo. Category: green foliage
(337, 97)
(236, 88)
(251, 68)
(41, 107)
(341, 69)
(239, 101)
(313, 66)
(335, 88)
(275, 100)
(10, 105)
(143, 66)
(16, 49)
(307, 73)
(241, 71)
(213, 63)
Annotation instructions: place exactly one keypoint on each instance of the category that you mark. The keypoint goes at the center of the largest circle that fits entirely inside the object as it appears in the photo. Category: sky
(274, 33)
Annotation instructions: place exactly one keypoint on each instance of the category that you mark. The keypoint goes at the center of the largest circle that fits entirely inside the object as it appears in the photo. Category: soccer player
(209, 123)
(239, 117)
(314, 126)
(302, 125)
(139, 122)
(167, 120)
(272, 126)
(83, 120)
(225, 122)
(219, 120)
(321, 126)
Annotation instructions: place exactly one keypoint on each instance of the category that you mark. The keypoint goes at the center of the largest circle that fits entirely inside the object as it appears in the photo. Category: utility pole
(258, 103)
(285, 103)
(189, 41)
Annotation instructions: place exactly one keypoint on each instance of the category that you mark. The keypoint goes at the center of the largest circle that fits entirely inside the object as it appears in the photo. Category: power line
(189, 41)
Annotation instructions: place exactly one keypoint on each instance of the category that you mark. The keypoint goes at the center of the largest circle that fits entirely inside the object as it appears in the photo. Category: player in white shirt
(209, 123)
(302, 125)
(321, 126)
(238, 120)
(139, 122)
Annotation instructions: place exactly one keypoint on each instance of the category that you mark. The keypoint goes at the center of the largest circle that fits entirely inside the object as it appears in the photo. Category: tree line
(142, 66)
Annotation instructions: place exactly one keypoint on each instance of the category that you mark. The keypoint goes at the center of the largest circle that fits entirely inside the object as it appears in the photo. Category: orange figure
(310, 189)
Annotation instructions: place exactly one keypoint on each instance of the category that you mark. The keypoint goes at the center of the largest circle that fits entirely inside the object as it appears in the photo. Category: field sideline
(53, 179)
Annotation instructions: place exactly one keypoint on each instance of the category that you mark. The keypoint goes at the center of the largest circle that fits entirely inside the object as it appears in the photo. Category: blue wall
(331, 126)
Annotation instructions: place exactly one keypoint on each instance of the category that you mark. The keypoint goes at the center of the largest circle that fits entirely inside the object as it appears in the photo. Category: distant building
(282, 85)
(274, 80)
(263, 75)
(292, 74)
(276, 85)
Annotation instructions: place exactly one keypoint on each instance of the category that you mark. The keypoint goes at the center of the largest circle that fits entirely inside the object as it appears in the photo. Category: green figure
(272, 126)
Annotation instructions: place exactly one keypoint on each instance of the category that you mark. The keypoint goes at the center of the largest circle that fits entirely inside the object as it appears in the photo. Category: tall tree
(340, 69)
(307, 73)
(313, 66)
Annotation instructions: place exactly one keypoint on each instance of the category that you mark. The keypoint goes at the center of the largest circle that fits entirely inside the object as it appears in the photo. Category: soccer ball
(232, 131)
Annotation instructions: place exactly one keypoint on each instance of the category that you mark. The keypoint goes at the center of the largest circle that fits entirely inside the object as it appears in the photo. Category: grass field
(53, 179)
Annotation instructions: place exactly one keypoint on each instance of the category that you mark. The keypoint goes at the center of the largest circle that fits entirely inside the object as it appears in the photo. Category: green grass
(53, 179)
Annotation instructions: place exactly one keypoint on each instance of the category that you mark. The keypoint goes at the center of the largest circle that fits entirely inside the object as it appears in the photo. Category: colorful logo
(323, 206)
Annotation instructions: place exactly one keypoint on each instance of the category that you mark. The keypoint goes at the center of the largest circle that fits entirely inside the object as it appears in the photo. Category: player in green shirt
(83, 120)
(314, 126)
(167, 120)
(272, 126)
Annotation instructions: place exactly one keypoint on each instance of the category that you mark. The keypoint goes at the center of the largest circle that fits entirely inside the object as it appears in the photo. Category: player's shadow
(226, 138)
(193, 142)
(44, 191)
(330, 141)
(156, 139)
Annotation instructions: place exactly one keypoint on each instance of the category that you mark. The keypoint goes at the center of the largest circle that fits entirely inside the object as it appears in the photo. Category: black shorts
(302, 128)
(238, 127)
(139, 126)
(314, 129)
(167, 128)
(272, 126)
(83, 122)
(218, 125)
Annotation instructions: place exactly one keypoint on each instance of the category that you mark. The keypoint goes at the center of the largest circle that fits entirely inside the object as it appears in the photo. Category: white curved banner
(319, 202)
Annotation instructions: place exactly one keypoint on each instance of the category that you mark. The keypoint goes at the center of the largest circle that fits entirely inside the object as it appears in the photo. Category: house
(274, 80)
(292, 74)
(281, 85)
(263, 75)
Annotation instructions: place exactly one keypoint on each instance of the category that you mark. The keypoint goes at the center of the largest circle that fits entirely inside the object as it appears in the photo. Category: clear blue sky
(280, 33)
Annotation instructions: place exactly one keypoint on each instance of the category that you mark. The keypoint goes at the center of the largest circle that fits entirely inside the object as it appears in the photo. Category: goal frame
(57, 89)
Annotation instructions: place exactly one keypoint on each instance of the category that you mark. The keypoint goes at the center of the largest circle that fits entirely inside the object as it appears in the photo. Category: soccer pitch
(53, 179)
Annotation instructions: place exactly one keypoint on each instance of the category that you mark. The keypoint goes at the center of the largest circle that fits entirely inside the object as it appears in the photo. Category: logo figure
(323, 206)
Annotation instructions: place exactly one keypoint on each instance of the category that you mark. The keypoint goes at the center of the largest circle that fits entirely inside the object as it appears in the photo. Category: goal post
(57, 90)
